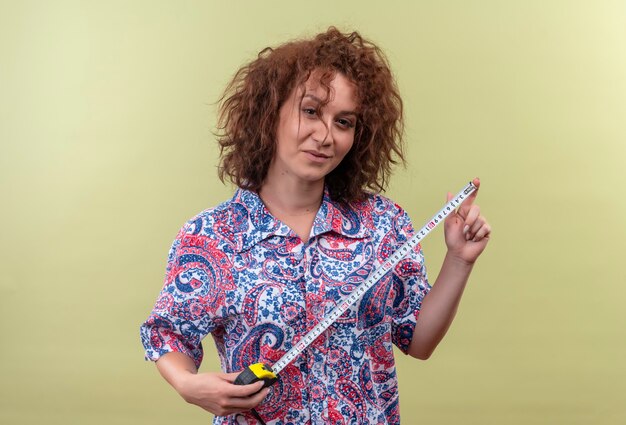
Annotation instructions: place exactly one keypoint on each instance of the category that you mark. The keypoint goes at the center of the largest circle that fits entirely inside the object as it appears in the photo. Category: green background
(106, 118)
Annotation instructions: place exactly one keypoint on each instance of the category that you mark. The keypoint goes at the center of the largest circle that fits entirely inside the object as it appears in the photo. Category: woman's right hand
(214, 392)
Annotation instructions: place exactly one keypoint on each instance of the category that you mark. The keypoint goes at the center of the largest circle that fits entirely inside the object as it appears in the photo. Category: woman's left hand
(467, 232)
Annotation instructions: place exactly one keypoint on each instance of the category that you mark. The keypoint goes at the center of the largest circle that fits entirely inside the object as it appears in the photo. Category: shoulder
(380, 206)
(379, 214)
(213, 223)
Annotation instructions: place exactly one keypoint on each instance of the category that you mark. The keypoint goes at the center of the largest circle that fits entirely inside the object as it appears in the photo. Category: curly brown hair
(249, 111)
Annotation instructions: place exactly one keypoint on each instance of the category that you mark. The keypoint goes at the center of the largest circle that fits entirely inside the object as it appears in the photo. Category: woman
(309, 132)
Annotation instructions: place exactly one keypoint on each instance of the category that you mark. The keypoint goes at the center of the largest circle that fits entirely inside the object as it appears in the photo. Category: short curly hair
(249, 112)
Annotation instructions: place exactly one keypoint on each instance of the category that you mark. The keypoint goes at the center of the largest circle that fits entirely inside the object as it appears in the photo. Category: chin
(312, 177)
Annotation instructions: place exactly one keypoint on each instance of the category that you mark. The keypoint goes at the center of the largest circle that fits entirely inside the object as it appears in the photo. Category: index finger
(245, 390)
(469, 201)
(239, 390)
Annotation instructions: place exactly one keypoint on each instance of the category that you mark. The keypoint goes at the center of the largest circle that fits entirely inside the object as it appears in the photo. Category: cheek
(346, 144)
(289, 125)
(296, 130)
(285, 138)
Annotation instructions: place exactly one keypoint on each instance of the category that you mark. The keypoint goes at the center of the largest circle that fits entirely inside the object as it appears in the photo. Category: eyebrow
(317, 99)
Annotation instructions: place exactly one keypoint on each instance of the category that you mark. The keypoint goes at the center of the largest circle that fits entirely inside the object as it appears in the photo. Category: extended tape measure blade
(374, 277)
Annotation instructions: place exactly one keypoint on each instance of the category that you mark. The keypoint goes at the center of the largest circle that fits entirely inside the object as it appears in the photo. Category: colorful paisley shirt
(246, 278)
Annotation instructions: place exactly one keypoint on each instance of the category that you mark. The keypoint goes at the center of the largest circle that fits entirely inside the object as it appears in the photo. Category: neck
(294, 202)
(283, 197)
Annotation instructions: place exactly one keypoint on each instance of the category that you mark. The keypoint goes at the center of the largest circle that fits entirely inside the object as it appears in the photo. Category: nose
(323, 134)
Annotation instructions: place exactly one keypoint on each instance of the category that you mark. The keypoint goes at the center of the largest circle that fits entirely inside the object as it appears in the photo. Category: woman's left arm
(467, 233)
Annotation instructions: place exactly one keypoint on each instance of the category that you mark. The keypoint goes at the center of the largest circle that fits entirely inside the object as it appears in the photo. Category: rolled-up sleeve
(181, 315)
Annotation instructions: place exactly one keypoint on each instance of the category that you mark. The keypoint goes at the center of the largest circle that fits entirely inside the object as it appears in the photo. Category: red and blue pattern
(243, 276)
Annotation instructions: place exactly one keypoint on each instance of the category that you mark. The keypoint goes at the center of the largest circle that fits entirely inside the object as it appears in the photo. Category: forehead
(334, 88)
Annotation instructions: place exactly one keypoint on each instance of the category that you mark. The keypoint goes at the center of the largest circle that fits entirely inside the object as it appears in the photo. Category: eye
(309, 111)
(345, 123)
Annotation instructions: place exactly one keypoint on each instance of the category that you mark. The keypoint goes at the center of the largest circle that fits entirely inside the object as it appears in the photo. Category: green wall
(106, 113)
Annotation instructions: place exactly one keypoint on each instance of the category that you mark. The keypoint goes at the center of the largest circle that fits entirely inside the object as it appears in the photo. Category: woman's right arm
(214, 392)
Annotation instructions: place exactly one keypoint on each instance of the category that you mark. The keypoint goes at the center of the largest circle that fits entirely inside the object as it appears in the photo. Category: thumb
(230, 377)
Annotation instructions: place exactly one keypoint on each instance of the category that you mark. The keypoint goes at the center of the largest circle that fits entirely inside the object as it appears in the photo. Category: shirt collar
(252, 222)
(351, 221)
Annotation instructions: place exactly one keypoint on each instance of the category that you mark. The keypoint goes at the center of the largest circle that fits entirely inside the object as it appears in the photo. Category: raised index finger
(469, 201)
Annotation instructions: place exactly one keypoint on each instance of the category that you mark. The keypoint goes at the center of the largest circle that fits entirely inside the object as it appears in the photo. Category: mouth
(317, 154)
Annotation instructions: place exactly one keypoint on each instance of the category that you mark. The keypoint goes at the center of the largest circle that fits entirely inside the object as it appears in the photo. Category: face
(310, 145)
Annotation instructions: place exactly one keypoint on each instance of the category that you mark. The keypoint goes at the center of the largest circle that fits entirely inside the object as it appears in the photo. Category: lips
(318, 154)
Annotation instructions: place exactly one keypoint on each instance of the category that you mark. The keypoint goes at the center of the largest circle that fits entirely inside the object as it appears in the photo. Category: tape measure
(261, 372)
